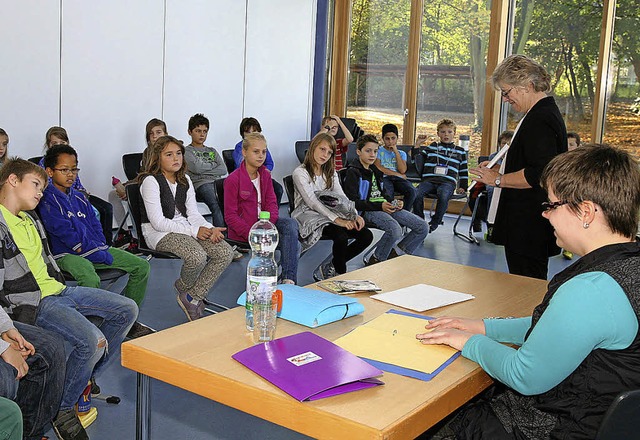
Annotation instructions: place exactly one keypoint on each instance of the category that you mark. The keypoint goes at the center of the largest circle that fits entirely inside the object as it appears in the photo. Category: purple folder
(308, 367)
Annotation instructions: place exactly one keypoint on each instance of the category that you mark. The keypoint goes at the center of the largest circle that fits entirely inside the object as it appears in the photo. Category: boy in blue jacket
(77, 241)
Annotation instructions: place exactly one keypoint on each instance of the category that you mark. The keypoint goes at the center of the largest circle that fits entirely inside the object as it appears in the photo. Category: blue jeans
(92, 346)
(289, 247)
(207, 193)
(443, 191)
(38, 393)
(394, 184)
(392, 224)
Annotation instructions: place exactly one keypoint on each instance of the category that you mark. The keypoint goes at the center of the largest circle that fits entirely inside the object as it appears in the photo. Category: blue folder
(313, 308)
(390, 368)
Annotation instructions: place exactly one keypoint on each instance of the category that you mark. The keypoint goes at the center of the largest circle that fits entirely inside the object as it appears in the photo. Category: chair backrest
(131, 164)
(134, 200)
(230, 163)
(622, 419)
(342, 174)
(351, 125)
(290, 190)
(219, 187)
(351, 153)
(413, 175)
(301, 149)
(35, 159)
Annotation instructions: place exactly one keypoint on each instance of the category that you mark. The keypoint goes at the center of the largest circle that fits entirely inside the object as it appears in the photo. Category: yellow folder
(391, 338)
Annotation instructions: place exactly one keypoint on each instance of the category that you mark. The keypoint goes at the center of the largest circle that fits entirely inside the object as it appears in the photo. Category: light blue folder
(313, 308)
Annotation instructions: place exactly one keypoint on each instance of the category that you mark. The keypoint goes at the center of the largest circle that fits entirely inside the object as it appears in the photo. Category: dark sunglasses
(550, 206)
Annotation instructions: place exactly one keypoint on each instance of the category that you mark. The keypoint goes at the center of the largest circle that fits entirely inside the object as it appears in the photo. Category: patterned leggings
(203, 261)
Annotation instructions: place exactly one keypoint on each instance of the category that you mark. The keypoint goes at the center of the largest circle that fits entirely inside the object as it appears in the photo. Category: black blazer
(519, 223)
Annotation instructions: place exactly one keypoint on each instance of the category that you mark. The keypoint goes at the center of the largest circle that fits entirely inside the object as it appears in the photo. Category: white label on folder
(304, 358)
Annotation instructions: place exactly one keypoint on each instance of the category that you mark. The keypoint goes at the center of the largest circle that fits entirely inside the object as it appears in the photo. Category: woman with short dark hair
(581, 346)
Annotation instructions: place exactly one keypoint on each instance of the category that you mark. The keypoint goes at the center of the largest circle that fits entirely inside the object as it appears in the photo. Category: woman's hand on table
(451, 331)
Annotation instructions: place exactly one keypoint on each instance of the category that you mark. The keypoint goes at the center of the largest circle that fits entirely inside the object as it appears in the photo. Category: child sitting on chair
(330, 125)
(171, 223)
(77, 242)
(362, 185)
(393, 164)
(204, 166)
(251, 125)
(249, 190)
(445, 165)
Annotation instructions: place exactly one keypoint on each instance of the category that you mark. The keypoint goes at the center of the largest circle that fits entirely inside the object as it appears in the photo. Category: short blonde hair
(519, 71)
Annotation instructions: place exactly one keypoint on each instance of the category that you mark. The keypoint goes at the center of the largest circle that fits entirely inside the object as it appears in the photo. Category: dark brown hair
(602, 174)
(248, 123)
(155, 122)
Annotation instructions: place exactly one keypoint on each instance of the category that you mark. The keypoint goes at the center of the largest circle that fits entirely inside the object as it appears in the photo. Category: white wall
(279, 74)
(125, 62)
(30, 73)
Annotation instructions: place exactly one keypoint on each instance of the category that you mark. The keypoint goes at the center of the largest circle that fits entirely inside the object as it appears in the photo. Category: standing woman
(171, 223)
(540, 136)
(315, 220)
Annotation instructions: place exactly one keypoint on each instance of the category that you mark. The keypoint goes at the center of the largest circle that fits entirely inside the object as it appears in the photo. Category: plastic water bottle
(262, 270)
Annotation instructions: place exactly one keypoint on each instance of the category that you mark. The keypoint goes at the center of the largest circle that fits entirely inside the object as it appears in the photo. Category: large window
(448, 64)
(622, 127)
(451, 71)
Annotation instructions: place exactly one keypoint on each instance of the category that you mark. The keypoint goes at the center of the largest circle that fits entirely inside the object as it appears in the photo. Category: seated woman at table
(581, 346)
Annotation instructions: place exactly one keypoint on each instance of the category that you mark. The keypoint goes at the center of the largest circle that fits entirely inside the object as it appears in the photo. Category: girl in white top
(317, 173)
(171, 223)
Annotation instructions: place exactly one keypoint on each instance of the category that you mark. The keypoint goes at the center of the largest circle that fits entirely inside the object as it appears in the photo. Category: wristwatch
(497, 181)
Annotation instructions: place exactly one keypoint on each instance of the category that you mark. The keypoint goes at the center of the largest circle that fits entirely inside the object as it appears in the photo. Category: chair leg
(211, 303)
(470, 238)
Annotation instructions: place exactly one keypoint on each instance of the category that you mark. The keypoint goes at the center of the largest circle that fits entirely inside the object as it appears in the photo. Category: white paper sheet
(421, 297)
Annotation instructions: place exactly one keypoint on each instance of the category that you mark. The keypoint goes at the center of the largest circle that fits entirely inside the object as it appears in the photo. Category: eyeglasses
(506, 94)
(67, 171)
(550, 206)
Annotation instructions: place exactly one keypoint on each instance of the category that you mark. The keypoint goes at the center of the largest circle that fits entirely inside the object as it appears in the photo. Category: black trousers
(106, 216)
(344, 251)
(528, 266)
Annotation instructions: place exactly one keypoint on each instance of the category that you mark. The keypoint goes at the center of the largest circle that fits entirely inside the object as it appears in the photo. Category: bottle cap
(264, 215)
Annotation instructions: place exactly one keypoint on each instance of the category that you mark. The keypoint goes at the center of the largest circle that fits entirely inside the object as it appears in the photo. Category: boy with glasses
(77, 242)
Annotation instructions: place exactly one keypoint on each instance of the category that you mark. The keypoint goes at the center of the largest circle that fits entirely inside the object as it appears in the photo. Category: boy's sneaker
(139, 330)
(324, 271)
(133, 247)
(122, 239)
(372, 260)
(67, 426)
(89, 417)
(189, 305)
(95, 388)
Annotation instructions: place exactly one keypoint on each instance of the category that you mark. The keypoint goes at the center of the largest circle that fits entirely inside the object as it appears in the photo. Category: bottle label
(259, 287)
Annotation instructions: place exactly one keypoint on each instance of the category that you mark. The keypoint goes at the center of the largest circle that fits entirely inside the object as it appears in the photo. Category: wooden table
(197, 357)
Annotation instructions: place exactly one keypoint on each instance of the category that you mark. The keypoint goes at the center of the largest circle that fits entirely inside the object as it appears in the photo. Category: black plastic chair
(35, 159)
(622, 419)
(229, 162)
(412, 172)
(132, 165)
(290, 190)
(134, 199)
(301, 149)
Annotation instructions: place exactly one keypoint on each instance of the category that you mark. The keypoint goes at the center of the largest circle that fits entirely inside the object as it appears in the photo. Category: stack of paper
(421, 297)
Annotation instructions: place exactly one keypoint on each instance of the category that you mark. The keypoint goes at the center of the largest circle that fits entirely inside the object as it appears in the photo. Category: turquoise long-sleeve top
(588, 312)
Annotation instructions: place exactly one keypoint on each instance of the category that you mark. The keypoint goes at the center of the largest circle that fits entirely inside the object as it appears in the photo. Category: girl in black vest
(171, 223)
(581, 347)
